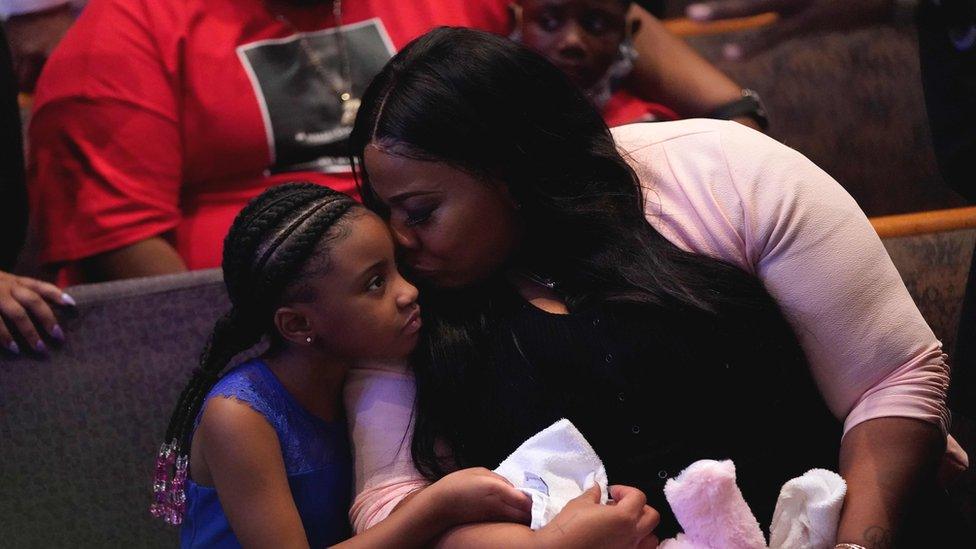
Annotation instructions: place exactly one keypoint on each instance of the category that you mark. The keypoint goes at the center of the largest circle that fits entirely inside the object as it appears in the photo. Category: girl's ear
(633, 27)
(293, 326)
(515, 17)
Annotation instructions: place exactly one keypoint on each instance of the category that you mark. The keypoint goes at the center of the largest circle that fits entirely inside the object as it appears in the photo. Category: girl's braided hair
(270, 245)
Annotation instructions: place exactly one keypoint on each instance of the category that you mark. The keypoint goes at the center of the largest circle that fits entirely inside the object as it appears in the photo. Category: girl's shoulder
(307, 442)
(251, 383)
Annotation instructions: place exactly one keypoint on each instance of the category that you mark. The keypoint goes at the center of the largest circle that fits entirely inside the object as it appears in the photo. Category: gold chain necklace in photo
(340, 84)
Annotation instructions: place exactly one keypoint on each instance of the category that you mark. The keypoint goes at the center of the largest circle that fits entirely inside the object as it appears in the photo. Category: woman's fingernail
(68, 300)
(57, 333)
(40, 347)
(732, 51)
(699, 12)
(13, 347)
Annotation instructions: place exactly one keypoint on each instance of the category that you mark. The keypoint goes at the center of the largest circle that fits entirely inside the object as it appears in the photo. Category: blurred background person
(155, 122)
(34, 28)
(592, 42)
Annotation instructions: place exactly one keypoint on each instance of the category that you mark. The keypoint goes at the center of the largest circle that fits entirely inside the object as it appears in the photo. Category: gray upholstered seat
(79, 430)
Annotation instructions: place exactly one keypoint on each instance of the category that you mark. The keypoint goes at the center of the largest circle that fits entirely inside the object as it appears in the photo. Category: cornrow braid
(268, 245)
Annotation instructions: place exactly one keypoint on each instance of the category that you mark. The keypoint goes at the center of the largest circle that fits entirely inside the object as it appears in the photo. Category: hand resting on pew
(26, 313)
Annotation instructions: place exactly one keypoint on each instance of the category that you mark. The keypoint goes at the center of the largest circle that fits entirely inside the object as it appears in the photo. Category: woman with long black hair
(679, 290)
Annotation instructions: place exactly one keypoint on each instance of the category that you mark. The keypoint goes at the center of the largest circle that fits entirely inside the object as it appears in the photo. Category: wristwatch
(750, 105)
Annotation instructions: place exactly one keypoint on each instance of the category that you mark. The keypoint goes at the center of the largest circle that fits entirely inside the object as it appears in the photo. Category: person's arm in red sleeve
(670, 72)
(150, 257)
(106, 154)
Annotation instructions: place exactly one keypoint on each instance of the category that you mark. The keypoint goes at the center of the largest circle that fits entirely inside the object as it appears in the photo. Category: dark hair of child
(265, 252)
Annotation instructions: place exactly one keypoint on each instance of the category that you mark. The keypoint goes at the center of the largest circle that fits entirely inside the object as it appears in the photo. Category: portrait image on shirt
(299, 85)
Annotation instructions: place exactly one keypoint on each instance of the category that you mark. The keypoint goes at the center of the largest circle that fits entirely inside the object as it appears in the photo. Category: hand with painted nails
(795, 18)
(26, 314)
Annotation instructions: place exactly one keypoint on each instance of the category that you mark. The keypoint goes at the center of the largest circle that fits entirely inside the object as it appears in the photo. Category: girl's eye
(416, 218)
(596, 24)
(549, 22)
(375, 283)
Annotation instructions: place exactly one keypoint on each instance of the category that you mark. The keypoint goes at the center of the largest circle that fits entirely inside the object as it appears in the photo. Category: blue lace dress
(317, 462)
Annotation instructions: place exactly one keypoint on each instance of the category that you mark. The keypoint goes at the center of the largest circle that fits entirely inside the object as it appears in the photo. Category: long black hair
(280, 238)
(493, 108)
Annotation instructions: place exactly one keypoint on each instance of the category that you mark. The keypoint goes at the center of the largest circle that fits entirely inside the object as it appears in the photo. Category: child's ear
(293, 326)
(633, 27)
(515, 16)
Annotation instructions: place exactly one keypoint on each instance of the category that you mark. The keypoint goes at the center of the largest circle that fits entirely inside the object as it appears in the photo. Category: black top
(649, 401)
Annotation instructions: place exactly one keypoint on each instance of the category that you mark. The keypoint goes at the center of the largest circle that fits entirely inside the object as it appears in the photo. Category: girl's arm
(243, 457)
(414, 524)
(466, 496)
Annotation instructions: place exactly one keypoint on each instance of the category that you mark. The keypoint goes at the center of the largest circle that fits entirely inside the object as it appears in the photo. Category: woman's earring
(308, 340)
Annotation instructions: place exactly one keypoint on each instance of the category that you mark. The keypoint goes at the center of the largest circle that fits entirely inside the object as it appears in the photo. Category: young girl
(314, 272)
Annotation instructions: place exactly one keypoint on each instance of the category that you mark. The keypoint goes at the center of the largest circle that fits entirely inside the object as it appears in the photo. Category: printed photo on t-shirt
(300, 81)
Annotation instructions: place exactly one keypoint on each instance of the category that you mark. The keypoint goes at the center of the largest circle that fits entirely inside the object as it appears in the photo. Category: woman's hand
(478, 495)
(25, 310)
(626, 522)
(469, 498)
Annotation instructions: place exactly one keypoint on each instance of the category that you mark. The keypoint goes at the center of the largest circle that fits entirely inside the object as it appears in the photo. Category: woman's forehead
(394, 177)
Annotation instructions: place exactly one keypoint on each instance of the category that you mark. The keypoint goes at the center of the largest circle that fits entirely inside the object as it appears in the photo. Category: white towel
(553, 467)
(808, 511)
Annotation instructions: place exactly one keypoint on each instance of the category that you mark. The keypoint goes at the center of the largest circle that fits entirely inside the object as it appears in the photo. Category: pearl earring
(308, 340)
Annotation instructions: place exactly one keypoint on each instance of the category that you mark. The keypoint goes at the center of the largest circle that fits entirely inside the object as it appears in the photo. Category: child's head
(581, 37)
(313, 270)
(310, 267)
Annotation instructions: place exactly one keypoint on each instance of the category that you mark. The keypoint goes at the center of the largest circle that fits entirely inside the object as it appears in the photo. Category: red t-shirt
(625, 108)
(164, 117)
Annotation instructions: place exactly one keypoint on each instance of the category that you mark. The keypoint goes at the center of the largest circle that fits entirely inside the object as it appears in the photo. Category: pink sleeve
(379, 403)
(721, 189)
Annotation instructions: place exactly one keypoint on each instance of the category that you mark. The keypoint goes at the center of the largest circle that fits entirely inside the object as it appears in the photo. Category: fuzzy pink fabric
(711, 510)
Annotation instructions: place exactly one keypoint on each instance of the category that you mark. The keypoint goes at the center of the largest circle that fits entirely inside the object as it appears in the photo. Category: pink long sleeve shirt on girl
(720, 189)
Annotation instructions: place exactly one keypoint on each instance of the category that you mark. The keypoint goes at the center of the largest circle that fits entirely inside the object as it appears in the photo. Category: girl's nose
(407, 294)
(571, 42)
